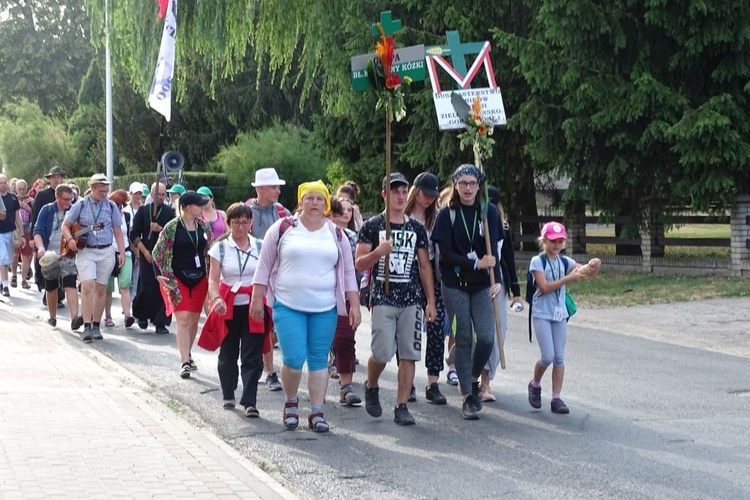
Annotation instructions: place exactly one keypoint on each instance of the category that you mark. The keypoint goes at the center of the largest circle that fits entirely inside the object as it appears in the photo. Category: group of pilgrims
(263, 276)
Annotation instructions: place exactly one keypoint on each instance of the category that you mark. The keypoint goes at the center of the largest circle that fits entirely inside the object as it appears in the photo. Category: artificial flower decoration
(387, 84)
(478, 132)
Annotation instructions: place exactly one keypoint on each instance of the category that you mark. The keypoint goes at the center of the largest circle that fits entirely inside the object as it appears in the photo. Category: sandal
(14, 281)
(25, 285)
(317, 422)
(108, 322)
(348, 398)
(291, 414)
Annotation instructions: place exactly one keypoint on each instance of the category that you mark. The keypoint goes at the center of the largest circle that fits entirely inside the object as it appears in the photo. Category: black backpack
(531, 285)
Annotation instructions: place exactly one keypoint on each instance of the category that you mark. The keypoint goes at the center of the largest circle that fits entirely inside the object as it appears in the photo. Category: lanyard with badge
(472, 254)
(193, 241)
(241, 265)
(558, 314)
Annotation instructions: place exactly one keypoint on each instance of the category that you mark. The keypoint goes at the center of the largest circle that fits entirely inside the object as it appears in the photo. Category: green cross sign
(409, 61)
(389, 25)
(456, 50)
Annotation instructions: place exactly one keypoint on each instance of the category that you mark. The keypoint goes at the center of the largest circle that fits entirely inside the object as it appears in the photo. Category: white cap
(267, 177)
(135, 187)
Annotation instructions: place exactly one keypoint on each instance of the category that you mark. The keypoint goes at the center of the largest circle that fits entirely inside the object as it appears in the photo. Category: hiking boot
(469, 409)
(558, 406)
(433, 394)
(96, 334)
(76, 323)
(535, 396)
(372, 401)
(272, 382)
(86, 334)
(402, 415)
(412, 395)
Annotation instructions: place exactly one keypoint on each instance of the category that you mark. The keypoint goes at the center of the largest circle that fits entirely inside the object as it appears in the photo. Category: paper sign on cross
(492, 99)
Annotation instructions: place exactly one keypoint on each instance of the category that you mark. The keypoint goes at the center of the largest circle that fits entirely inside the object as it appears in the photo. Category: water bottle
(517, 307)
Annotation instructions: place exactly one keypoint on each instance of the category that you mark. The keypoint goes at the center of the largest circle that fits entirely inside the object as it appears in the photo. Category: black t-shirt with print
(11, 207)
(457, 240)
(404, 282)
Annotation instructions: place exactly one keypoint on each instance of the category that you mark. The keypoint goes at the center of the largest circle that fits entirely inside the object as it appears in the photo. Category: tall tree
(643, 103)
(44, 52)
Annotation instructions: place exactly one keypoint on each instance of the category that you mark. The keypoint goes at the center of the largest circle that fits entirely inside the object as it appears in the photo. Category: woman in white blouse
(233, 259)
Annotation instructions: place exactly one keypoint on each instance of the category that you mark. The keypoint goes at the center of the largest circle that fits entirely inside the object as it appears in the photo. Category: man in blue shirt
(96, 258)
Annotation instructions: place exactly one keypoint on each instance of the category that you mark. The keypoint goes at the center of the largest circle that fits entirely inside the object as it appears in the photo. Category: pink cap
(554, 231)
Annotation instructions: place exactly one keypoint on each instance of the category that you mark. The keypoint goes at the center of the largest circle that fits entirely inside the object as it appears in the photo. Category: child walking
(551, 272)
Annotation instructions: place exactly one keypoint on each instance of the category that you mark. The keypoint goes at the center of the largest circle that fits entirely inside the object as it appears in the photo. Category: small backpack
(531, 285)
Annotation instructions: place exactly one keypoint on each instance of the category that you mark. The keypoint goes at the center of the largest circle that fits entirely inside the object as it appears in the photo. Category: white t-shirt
(306, 279)
(237, 266)
(125, 235)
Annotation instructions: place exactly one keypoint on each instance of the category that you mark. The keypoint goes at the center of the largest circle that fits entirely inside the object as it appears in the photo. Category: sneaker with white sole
(185, 370)
(272, 382)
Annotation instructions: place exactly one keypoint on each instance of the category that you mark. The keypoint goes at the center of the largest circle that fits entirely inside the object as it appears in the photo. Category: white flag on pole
(160, 97)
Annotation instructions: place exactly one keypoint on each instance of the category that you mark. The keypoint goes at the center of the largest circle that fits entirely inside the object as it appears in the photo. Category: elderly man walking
(96, 257)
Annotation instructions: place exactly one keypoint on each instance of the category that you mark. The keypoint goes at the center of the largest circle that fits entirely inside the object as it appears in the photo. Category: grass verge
(611, 289)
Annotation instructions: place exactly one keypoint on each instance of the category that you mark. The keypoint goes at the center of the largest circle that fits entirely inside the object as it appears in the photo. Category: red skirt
(26, 249)
(192, 300)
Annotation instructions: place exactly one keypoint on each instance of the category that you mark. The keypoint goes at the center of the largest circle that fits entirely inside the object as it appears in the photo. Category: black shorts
(66, 282)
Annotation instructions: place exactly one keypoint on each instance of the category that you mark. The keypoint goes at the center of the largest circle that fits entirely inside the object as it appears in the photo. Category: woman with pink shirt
(306, 272)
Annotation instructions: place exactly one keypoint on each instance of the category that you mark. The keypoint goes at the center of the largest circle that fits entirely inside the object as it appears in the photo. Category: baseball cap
(554, 231)
(192, 198)
(428, 183)
(494, 194)
(135, 187)
(396, 178)
(177, 188)
(205, 191)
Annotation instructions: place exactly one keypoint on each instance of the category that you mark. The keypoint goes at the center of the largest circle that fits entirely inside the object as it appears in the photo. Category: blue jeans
(304, 336)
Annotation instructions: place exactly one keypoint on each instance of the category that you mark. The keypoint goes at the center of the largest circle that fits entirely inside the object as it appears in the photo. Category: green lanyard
(242, 265)
(91, 209)
(473, 228)
(158, 213)
(190, 236)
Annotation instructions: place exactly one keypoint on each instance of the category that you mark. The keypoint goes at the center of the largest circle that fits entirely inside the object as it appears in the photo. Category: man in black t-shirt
(11, 222)
(397, 316)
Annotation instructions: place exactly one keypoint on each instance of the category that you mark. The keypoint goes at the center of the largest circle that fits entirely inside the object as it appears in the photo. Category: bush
(287, 148)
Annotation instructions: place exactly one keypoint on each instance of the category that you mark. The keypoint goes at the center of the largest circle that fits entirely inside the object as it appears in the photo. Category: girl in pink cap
(551, 272)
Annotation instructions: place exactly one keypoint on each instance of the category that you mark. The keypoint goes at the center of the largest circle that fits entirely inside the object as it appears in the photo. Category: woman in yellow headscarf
(306, 271)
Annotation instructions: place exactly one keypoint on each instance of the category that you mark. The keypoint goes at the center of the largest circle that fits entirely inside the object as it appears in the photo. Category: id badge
(197, 262)
(558, 316)
(236, 287)
(472, 255)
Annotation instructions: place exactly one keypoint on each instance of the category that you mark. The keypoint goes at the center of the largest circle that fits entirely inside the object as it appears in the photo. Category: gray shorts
(397, 328)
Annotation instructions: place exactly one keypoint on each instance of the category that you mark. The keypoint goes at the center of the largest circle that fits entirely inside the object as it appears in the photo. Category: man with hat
(267, 210)
(397, 316)
(10, 223)
(46, 196)
(148, 222)
(96, 257)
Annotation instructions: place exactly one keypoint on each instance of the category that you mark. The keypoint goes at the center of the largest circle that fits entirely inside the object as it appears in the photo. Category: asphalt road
(659, 398)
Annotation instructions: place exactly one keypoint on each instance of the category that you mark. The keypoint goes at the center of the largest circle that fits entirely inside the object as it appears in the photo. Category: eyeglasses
(66, 199)
(240, 222)
(467, 184)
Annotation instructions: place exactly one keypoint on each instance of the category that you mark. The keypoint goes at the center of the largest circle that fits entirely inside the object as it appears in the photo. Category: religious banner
(490, 97)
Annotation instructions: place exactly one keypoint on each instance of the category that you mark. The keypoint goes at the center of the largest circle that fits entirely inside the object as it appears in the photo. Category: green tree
(286, 148)
(643, 103)
(44, 52)
(30, 142)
